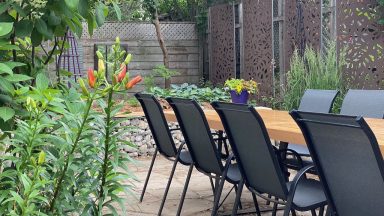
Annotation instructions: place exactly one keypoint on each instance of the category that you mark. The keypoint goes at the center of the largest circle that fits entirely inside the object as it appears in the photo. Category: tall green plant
(65, 157)
(314, 70)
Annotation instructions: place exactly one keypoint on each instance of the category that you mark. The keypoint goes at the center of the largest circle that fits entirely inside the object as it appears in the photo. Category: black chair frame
(220, 178)
(173, 156)
(289, 204)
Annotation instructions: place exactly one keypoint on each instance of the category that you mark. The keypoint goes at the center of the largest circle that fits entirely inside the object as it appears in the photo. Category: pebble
(141, 136)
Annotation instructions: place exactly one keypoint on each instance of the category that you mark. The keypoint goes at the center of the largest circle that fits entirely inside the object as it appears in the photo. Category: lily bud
(123, 72)
(41, 159)
(99, 55)
(133, 82)
(117, 40)
(128, 59)
(91, 78)
(115, 79)
(101, 66)
(83, 88)
(33, 161)
(33, 103)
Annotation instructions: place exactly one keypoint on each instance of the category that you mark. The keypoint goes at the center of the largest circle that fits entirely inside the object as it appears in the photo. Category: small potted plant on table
(240, 89)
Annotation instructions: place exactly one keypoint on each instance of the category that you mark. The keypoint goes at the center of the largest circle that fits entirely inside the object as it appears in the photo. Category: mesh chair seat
(309, 192)
(233, 175)
(185, 158)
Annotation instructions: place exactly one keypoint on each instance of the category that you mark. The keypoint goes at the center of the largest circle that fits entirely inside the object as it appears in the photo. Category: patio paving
(199, 198)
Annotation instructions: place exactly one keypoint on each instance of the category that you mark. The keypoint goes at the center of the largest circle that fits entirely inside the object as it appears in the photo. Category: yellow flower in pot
(240, 89)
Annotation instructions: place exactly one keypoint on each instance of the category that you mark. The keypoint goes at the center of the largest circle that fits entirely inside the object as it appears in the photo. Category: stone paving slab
(199, 198)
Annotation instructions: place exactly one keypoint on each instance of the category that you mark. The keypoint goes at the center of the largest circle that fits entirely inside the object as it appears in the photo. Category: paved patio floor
(199, 198)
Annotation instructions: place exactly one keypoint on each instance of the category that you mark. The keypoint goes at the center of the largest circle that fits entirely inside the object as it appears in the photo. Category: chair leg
(313, 212)
(268, 202)
(168, 185)
(184, 190)
(256, 204)
(236, 189)
(218, 191)
(274, 211)
(293, 212)
(212, 185)
(321, 211)
(148, 175)
(237, 199)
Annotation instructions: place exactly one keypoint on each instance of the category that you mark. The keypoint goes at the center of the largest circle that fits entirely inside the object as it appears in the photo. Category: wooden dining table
(281, 126)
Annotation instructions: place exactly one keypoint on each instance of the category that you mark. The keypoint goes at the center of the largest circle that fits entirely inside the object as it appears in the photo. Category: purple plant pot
(241, 98)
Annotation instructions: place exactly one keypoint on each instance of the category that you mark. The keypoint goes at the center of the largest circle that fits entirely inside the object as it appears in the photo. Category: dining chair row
(256, 163)
(204, 155)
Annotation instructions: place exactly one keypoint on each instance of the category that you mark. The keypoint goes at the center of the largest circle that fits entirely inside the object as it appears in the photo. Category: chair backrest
(348, 159)
(366, 103)
(316, 100)
(157, 124)
(197, 135)
(252, 148)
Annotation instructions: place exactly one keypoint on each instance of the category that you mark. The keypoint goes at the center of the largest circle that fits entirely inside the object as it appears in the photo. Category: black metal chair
(366, 103)
(313, 100)
(164, 144)
(203, 149)
(348, 161)
(259, 162)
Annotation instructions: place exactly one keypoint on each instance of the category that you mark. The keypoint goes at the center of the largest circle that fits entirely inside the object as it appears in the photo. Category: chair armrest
(299, 176)
(294, 153)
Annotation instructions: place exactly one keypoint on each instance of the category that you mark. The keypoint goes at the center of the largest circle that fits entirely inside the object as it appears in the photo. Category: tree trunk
(163, 47)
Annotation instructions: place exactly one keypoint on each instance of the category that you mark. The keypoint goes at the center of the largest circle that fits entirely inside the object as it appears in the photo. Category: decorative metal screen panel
(302, 26)
(257, 39)
(222, 43)
(364, 40)
(143, 31)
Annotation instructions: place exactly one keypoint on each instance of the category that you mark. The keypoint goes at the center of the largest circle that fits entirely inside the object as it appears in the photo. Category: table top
(279, 124)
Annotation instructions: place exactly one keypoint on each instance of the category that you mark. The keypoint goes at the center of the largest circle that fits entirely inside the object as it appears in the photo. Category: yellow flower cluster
(240, 85)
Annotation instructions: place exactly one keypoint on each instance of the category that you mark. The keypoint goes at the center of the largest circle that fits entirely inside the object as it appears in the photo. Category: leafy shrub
(63, 157)
(158, 71)
(315, 70)
(192, 92)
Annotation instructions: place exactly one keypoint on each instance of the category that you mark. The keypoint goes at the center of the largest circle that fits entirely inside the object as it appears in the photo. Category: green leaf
(41, 26)
(72, 3)
(6, 86)
(36, 37)
(6, 113)
(4, 68)
(100, 15)
(5, 28)
(4, 6)
(5, 45)
(17, 77)
(117, 10)
(17, 198)
(12, 64)
(19, 10)
(53, 20)
(83, 8)
(42, 81)
(23, 28)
